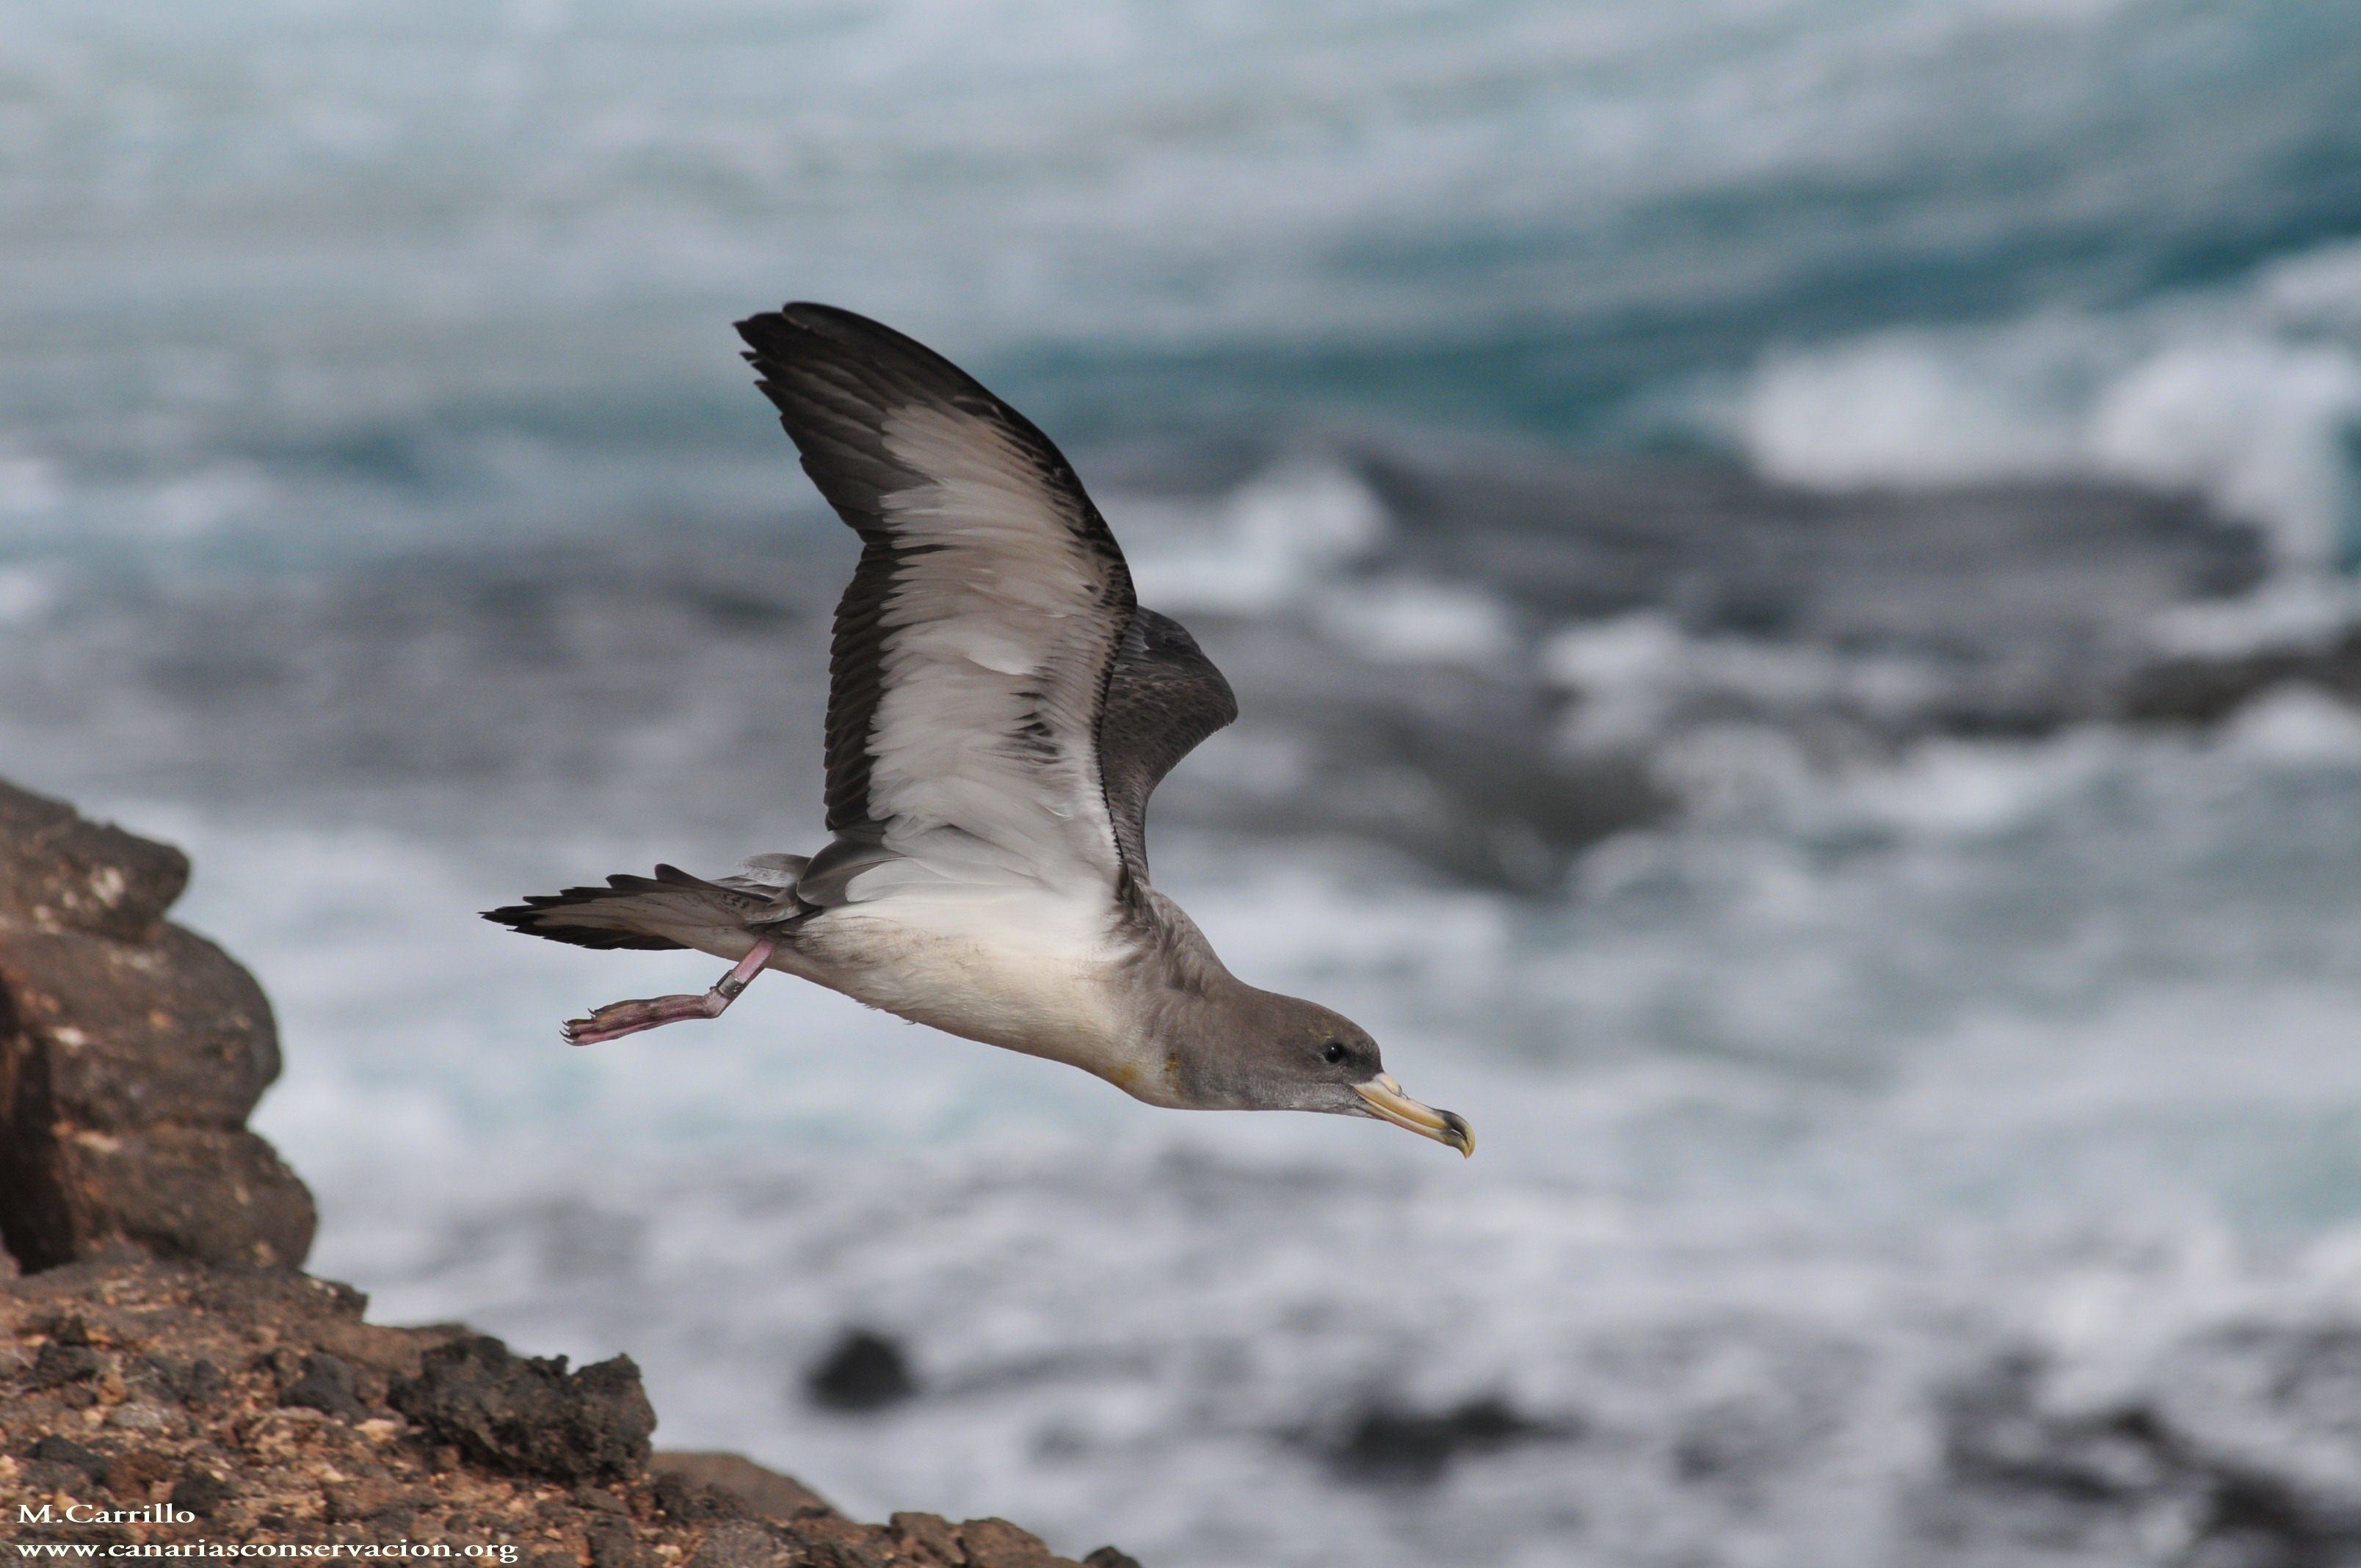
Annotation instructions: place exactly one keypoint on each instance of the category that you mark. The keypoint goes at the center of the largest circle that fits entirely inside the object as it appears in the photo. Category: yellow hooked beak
(1386, 1098)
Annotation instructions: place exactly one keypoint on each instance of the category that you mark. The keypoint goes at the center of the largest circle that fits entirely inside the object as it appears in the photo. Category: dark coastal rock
(131, 1052)
(759, 1492)
(60, 1364)
(744, 1543)
(326, 1386)
(193, 1193)
(202, 1494)
(933, 1540)
(60, 873)
(2044, 569)
(680, 1497)
(262, 1462)
(55, 1449)
(2203, 691)
(529, 1414)
(929, 1538)
(1388, 1446)
(996, 1543)
(864, 1371)
(2015, 1470)
(124, 1036)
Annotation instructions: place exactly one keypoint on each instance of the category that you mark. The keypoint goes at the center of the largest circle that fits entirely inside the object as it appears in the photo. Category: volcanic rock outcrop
(151, 1406)
(171, 1384)
(131, 1051)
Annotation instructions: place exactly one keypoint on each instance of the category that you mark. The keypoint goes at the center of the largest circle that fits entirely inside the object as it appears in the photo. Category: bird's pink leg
(617, 1019)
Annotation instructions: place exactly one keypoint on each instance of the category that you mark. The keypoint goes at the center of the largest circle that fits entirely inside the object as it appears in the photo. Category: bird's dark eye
(1333, 1052)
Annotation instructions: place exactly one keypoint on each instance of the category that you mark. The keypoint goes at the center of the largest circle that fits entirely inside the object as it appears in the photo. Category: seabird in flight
(999, 708)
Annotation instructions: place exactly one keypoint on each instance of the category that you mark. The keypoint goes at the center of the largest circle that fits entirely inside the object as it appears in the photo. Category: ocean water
(1683, 490)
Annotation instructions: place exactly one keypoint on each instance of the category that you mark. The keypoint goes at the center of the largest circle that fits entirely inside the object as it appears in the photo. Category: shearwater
(999, 708)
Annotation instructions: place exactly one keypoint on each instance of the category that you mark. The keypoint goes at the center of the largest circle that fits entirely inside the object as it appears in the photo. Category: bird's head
(1283, 1053)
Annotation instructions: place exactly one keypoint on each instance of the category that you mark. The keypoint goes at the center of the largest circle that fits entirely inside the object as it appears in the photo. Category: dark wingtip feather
(776, 333)
(809, 316)
(777, 338)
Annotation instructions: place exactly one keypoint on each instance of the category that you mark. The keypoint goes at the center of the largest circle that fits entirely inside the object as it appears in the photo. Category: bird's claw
(617, 1019)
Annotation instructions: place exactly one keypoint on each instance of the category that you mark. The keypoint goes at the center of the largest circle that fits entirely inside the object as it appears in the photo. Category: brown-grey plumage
(1163, 696)
(1001, 709)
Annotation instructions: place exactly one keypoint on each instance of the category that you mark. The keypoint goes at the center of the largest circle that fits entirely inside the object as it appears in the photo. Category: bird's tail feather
(673, 909)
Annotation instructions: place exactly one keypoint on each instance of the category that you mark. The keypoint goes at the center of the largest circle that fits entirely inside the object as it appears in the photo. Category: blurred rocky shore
(168, 1376)
(1484, 657)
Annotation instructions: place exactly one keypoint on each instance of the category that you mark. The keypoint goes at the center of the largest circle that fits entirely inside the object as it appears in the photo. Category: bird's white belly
(1042, 980)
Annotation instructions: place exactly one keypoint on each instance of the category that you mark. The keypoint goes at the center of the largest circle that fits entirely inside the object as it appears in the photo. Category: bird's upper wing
(974, 643)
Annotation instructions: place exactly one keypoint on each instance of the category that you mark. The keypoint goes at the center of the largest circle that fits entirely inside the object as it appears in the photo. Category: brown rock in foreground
(529, 1416)
(170, 1386)
(60, 873)
(158, 1404)
(766, 1492)
(131, 1051)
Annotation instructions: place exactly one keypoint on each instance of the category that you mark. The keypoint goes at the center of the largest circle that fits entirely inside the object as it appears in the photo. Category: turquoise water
(455, 269)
